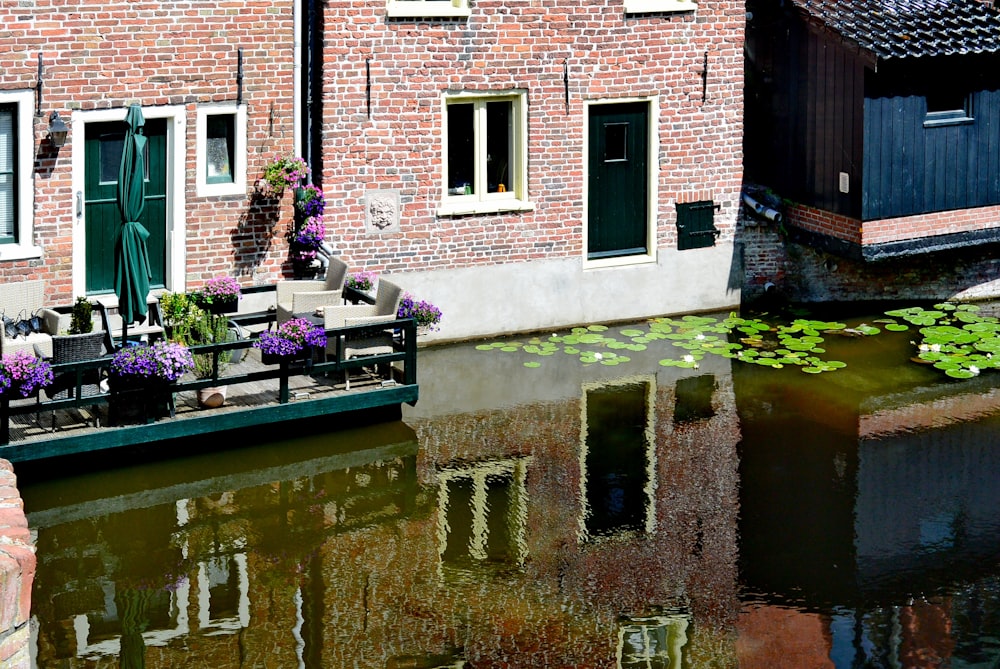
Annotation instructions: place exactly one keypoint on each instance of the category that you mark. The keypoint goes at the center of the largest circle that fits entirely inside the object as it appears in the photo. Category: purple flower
(220, 288)
(312, 203)
(423, 312)
(23, 373)
(311, 233)
(361, 280)
(167, 361)
(291, 337)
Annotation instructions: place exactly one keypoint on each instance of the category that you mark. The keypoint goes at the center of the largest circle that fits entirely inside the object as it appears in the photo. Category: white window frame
(659, 6)
(427, 8)
(238, 186)
(482, 202)
(24, 137)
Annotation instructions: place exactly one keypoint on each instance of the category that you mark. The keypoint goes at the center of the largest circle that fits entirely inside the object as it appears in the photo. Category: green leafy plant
(278, 173)
(81, 317)
(209, 329)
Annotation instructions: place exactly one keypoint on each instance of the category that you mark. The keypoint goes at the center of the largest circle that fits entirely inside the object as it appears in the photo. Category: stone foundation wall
(17, 573)
(775, 265)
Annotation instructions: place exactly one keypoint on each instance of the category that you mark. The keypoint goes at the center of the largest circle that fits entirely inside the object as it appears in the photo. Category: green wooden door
(618, 180)
(103, 153)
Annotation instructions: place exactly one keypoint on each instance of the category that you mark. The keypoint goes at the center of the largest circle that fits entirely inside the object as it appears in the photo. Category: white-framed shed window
(485, 148)
(659, 6)
(221, 156)
(16, 186)
(427, 8)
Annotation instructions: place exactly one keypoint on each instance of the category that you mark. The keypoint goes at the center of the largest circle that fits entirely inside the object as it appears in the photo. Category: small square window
(485, 168)
(948, 106)
(221, 159)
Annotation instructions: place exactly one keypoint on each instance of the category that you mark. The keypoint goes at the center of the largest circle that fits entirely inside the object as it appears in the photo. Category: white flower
(935, 347)
(973, 369)
(700, 336)
(689, 358)
(924, 347)
(598, 356)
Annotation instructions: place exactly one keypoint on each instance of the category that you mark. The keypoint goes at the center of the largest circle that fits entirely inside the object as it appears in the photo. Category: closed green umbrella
(132, 273)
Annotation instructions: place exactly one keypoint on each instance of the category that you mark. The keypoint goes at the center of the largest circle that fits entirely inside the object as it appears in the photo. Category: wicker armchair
(22, 299)
(305, 297)
(387, 299)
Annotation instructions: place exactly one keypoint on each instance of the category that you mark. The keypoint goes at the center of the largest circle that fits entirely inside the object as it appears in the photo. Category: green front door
(103, 154)
(618, 180)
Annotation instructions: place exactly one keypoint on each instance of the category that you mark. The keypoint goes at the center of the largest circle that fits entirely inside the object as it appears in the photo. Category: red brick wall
(17, 573)
(105, 56)
(522, 45)
(893, 229)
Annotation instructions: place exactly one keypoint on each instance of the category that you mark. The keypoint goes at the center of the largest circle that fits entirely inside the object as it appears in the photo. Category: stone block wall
(17, 573)
(800, 273)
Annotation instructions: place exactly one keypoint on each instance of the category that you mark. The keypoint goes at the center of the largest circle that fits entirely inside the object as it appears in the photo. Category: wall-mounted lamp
(57, 130)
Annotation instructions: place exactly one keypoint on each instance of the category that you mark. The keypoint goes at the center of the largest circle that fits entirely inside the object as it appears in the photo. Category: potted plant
(81, 317)
(294, 339)
(179, 313)
(210, 329)
(219, 295)
(304, 244)
(22, 374)
(362, 281)
(279, 173)
(423, 312)
(309, 200)
(142, 377)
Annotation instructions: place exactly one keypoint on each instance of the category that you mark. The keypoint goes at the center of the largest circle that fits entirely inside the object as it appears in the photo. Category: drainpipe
(762, 210)
(297, 76)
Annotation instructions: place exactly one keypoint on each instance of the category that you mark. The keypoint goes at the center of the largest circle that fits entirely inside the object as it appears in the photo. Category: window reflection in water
(482, 510)
(618, 459)
(655, 642)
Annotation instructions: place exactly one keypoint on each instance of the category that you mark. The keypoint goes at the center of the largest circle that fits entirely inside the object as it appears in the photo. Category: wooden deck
(258, 394)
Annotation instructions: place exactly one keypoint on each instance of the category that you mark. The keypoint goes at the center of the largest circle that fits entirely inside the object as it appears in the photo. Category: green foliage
(81, 321)
(189, 324)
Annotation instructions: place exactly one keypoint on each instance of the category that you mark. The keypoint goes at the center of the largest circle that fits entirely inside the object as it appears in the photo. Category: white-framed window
(427, 8)
(659, 6)
(485, 148)
(16, 187)
(221, 156)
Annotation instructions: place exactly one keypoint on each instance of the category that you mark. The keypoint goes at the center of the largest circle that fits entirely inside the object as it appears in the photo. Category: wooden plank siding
(910, 169)
(815, 125)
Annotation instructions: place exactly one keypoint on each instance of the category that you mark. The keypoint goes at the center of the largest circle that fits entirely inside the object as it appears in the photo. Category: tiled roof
(909, 28)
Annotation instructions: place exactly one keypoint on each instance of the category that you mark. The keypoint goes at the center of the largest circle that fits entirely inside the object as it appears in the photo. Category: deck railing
(331, 361)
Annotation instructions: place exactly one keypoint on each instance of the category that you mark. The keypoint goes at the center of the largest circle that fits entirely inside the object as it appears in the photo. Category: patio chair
(300, 297)
(387, 299)
(20, 300)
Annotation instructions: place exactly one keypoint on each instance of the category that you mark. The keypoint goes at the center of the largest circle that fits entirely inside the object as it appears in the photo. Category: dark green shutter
(696, 225)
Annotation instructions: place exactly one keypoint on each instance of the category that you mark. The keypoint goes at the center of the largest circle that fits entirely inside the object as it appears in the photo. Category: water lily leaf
(531, 349)
(896, 327)
(632, 333)
(509, 348)
(532, 364)
(571, 350)
(485, 347)
(617, 344)
(597, 328)
(637, 347)
(959, 373)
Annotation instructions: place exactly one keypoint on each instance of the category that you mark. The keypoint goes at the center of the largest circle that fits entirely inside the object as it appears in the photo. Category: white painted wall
(549, 294)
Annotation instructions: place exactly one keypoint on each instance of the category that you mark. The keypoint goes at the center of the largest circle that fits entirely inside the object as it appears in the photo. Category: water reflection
(640, 516)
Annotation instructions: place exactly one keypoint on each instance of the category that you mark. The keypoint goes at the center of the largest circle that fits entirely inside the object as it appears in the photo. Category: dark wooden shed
(870, 111)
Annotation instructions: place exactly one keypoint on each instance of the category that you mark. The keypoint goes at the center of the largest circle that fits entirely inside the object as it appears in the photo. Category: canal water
(540, 507)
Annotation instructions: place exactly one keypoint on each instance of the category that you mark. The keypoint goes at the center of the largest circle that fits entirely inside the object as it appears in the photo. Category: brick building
(532, 160)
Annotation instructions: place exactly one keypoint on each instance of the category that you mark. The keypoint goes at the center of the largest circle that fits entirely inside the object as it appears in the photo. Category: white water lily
(689, 358)
(973, 369)
(700, 336)
(598, 356)
(935, 347)
(924, 347)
